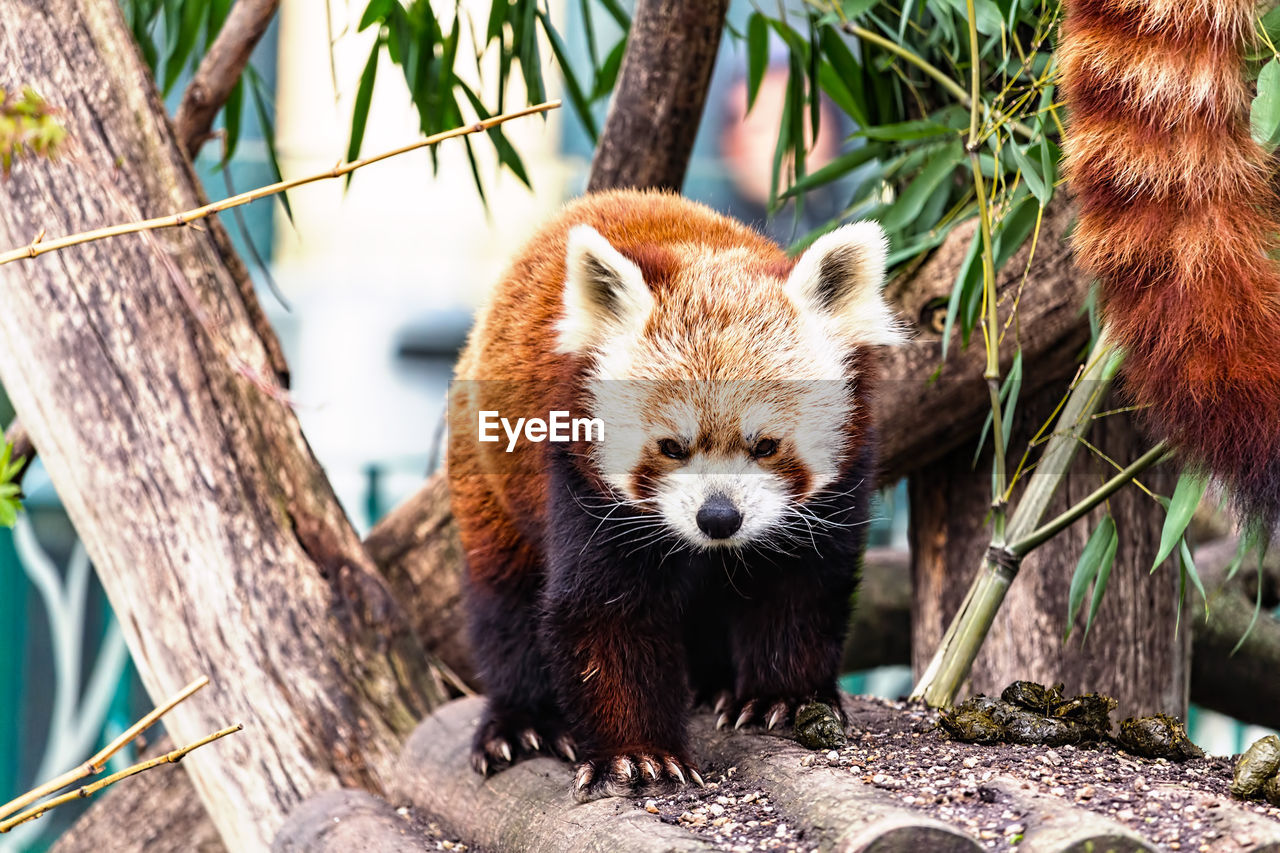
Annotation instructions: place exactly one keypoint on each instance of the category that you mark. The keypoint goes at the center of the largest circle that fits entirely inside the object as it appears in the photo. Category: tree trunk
(657, 107)
(1131, 653)
(213, 529)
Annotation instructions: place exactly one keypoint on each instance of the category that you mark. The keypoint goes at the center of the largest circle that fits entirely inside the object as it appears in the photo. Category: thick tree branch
(220, 70)
(212, 527)
(657, 105)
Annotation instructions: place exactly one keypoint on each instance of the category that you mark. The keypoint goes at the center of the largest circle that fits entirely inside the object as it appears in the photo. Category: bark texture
(345, 821)
(662, 85)
(214, 531)
(1131, 653)
(220, 70)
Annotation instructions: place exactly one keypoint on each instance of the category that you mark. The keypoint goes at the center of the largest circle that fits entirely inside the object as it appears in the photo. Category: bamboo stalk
(94, 765)
(39, 245)
(171, 757)
(951, 663)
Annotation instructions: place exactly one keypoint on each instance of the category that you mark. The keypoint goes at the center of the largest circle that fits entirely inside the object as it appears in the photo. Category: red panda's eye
(672, 448)
(764, 447)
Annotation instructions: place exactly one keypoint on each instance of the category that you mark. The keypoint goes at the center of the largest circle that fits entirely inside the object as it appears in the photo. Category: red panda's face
(725, 391)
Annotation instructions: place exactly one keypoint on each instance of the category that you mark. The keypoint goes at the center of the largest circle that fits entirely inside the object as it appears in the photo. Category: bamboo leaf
(1257, 608)
(268, 135)
(907, 130)
(581, 106)
(1087, 568)
(854, 9)
(836, 169)
(506, 152)
(757, 54)
(1100, 583)
(1189, 566)
(967, 278)
(1031, 174)
(907, 206)
(843, 79)
(376, 12)
(530, 59)
(498, 11)
(193, 15)
(231, 116)
(607, 75)
(1265, 115)
(360, 113)
(1186, 497)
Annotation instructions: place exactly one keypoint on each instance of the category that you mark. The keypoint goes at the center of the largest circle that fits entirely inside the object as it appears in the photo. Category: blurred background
(377, 284)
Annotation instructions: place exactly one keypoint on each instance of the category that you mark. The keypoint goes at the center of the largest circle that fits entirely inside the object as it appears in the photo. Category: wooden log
(212, 527)
(529, 808)
(347, 821)
(1053, 826)
(1240, 829)
(842, 813)
(526, 809)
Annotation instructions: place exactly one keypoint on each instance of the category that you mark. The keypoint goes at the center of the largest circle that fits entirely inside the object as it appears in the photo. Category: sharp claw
(674, 769)
(481, 764)
(566, 748)
(748, 712)
(777, 715)
(697, 777)
(722, 703)
(531, 740)
(583, 777)
(722, 721)
(623, 767)
(649, 768)
(504, 749)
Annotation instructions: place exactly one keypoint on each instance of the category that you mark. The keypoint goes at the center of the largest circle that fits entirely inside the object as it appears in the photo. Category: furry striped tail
(1178, 221)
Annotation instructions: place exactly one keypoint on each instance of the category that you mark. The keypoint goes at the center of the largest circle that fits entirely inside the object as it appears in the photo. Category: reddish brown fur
(1177, 220)
(494, 512)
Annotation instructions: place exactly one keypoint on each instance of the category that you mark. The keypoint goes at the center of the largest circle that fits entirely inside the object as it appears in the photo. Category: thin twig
(81, 793)
(94, 765)
(39, 246)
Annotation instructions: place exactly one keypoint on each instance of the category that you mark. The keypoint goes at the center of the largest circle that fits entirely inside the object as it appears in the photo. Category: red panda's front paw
(769, 711)
(501, 742)
(626, 773)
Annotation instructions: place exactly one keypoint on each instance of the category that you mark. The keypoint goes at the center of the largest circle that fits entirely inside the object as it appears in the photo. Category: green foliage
(1179, 510)
(28, 127)
(1094, 567)
(10, 491)
(893, 69)
(424, 45)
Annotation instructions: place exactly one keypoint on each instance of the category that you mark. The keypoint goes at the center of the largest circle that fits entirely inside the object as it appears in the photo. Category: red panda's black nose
(719, 518)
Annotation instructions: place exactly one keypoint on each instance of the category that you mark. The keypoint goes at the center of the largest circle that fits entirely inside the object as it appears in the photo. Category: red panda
(706, 546)
(1178, 221)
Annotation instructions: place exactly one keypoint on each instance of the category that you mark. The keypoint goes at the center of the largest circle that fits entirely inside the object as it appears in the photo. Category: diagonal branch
(220, 70)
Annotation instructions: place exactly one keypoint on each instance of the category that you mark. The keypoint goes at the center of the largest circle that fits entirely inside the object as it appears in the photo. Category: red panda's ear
(604, 293)
(840, 277)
